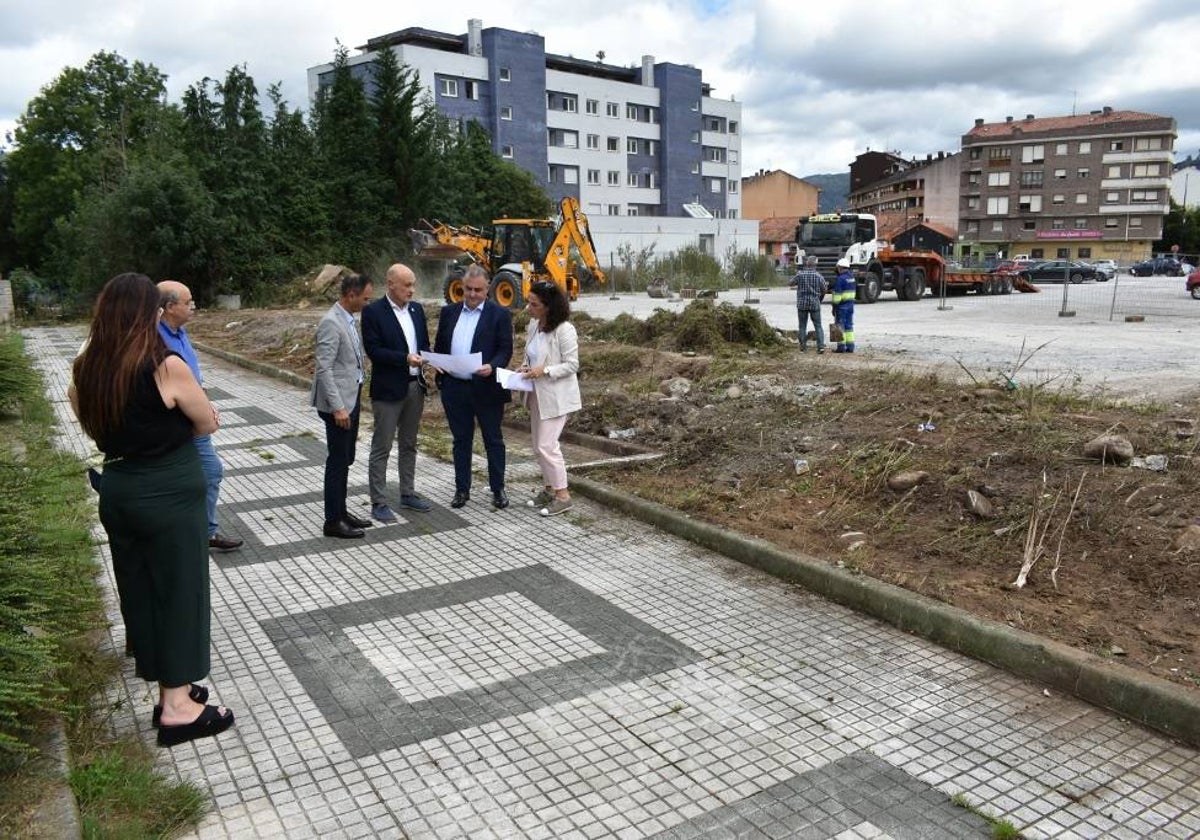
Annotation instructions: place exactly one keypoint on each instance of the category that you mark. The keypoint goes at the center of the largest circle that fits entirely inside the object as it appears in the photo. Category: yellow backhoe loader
(517, 253)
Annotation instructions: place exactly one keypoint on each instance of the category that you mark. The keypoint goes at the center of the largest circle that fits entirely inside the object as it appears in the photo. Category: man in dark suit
(337, 385)
(476, 325)
(394, 334)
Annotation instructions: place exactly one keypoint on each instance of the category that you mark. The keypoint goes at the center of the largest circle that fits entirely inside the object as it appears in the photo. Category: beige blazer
(557, 392)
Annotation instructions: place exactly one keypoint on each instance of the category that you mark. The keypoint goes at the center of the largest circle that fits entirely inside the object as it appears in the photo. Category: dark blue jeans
(463, 408)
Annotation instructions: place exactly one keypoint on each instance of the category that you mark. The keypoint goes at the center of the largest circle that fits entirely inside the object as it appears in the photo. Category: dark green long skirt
(153, 510)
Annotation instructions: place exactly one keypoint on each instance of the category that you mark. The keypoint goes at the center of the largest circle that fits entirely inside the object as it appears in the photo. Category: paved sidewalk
(490, 674)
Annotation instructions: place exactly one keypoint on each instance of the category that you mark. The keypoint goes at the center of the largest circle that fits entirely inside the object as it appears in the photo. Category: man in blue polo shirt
(177, 309)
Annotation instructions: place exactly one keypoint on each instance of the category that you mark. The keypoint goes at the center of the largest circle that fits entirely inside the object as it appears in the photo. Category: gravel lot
(1096, 349)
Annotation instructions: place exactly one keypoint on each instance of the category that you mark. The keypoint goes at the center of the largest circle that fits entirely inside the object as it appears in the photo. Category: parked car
(1169, 266)
(1054, 271)
(1105, 269)
(1192, 284)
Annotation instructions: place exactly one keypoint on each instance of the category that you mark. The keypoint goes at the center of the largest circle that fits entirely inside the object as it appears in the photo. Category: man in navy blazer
(476, 325)
(394, 334)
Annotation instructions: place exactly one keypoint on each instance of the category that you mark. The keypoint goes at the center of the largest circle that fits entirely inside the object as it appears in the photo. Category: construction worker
(844, 291)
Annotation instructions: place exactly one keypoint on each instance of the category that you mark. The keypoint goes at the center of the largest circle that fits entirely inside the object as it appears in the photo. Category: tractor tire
(506, 290)
(869, 288)
(1008, 286)
(915, 284)
(452, 290)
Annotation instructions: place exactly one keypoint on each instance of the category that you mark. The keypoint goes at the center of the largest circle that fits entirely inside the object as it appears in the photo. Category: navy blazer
(388, 349)
(493, 339)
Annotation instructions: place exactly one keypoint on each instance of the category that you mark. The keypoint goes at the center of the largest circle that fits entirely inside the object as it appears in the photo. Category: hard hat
(844, 262)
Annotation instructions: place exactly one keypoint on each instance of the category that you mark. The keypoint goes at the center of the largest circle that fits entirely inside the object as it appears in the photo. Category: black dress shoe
(342, 529)
(461, 497)
(220, 542)
(500, 500)
(355, 522)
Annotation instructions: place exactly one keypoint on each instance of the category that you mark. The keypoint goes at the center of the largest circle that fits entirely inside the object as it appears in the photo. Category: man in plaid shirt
(810, 288)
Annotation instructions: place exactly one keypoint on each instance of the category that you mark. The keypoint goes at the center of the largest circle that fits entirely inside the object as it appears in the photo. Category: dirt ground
(941, 487)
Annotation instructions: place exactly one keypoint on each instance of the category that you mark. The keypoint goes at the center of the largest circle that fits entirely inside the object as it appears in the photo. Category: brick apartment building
(1085, 187)
(903, 192)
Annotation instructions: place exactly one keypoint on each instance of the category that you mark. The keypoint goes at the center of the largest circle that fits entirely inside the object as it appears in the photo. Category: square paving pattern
(472, 673)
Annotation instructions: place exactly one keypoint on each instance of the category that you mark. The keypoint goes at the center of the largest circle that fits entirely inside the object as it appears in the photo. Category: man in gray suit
(337, 385)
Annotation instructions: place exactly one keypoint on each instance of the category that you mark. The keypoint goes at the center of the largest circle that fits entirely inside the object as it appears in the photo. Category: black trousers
(340, 445)
(463, 408)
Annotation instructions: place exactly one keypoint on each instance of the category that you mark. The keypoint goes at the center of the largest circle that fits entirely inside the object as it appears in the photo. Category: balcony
(1166, 156)
(1136, 209)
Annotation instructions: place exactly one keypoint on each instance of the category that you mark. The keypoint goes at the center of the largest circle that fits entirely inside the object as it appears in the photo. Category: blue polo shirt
(177, 340)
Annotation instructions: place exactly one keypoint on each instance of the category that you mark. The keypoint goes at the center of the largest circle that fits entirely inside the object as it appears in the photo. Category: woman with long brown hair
(142, 406)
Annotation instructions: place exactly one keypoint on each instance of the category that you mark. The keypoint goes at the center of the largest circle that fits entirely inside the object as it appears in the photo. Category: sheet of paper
(461, 365)
(512, 380)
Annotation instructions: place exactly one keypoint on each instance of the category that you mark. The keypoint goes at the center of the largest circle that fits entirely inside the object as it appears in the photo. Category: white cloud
(819, 83)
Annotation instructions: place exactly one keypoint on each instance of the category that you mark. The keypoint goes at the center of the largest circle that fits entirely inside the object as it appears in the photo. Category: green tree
(1180, 227)
(84, 128)
(298, 217)
(8, 242)
(404, 128)
(349, 171)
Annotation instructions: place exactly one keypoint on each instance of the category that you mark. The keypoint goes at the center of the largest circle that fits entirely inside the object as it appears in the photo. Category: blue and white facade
(625, 141)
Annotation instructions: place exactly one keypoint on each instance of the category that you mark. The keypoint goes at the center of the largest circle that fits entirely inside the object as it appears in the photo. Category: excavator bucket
(422, 240)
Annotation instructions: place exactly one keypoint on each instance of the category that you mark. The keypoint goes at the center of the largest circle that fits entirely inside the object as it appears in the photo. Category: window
(612, 109)
(999, 153)
(972, 202)
(1147, 144)
(1112, 197)
(448, 87)
(1085, 253)
(614, 144)
(1062, 253)
(712, 124)
(631, 210)
(997, 206)
(733, 127)
(1032, 179)
(696, 105)
(1135, 221)
(997, 227)
(471, 89)
(1116, 145)
(731, 214)
(614, 178)
(506, 112)
(695, 137)
(631, 111)
(570, 174)
(1058, 224)
(593, 177)
(1081, 198)
(1029, 225)
(614, 209)
(1147, 170)
(715, 185)
(1059, 198)
(1060, 149)
(973, 226)
(1143, 195)
(1060, 174)
(733, 185)
(713, 154)
(593, 141)
(695, 170)
(998, 179)
(593, 106)
(1031, 203)
(1085, 147)
(631, 145)
(973, 177)
(1083, 172)
(1037, 254)
(506, 151)
(652, 147)
(1081, 224)
(974, 154)
(1110, 222)
(505, 75)
(1113, 172)
(570, 104)
(1033, 154)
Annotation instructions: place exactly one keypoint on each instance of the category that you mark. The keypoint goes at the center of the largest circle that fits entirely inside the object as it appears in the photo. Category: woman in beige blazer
(552, 362)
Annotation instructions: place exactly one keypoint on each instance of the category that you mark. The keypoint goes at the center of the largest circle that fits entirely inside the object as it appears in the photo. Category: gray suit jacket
(339, 364)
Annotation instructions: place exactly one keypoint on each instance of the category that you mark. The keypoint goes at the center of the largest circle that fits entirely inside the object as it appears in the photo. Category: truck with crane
(878, 267)
(517, 253)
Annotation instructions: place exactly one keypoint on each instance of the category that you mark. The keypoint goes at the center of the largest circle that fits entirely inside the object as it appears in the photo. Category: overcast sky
(819, 83)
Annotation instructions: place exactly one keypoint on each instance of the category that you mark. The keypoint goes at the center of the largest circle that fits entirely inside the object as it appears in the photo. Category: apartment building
(1085, 187)
(768, 194)
(647, 140)
(901, 192)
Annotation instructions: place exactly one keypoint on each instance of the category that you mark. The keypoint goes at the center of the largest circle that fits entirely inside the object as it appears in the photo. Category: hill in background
(834, 188)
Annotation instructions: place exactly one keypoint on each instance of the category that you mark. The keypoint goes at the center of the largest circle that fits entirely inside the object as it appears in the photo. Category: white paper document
(513, 381)
(460, 365)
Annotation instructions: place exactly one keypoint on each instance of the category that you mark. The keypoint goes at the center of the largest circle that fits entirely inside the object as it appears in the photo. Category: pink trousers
(549, 455)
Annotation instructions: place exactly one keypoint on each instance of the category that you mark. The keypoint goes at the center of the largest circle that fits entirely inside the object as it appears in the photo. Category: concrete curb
(1143, 698)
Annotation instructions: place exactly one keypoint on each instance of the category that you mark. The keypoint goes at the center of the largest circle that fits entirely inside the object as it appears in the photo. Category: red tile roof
(1027, 126)
(778, 229)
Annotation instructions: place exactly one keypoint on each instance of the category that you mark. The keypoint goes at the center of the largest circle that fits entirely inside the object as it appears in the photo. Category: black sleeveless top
(148, 428)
